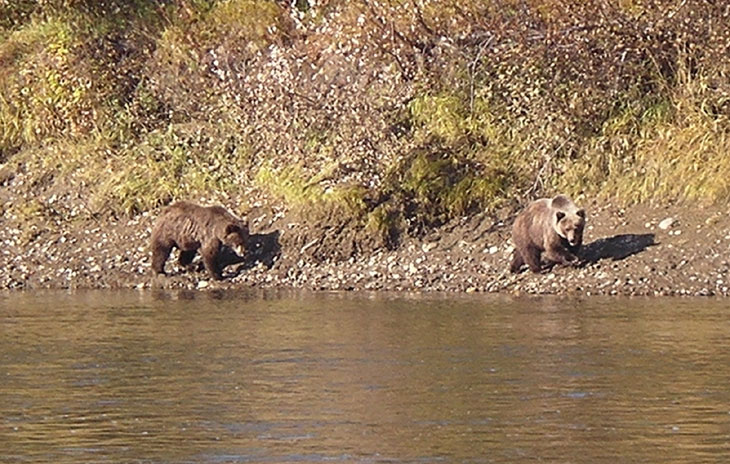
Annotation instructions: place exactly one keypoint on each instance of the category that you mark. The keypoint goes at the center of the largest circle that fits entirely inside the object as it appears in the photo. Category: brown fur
(550, 230)
(189, 227)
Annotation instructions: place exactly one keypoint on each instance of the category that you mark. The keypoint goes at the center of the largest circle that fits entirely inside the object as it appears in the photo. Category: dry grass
(307, 194)
(672, 149)
(446, 108)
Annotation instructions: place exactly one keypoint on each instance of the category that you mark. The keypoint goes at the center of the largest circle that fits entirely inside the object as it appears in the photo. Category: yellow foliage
(252, 19)
(299, 191)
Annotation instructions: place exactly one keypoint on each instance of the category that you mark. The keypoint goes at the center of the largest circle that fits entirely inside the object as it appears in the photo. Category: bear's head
(236, 235)
(569, 220)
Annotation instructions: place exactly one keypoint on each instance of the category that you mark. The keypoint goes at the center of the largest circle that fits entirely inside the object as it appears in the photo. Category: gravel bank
(668, 250)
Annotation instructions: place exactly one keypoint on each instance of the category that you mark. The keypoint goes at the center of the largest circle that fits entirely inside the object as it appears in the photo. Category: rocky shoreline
(668, 250)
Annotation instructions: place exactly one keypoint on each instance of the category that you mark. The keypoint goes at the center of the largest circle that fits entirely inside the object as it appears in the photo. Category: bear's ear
(581, 213)
(559, 215)
(232, 229)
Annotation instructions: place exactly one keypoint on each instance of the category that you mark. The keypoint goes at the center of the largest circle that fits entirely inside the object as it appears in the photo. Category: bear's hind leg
(532, 258)
(186, 259)
(160, 253)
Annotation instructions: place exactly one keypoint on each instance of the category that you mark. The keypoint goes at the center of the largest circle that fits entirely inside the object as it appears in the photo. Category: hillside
(371, 124)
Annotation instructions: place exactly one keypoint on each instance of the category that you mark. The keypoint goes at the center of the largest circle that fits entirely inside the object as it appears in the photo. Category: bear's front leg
(517, 262)
(561, 256)
(209, 252)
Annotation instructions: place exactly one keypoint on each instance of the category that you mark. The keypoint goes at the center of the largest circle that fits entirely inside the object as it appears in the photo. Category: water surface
(255, 377)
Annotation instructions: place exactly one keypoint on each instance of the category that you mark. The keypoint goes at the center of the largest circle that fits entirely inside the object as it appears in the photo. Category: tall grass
(671, 146)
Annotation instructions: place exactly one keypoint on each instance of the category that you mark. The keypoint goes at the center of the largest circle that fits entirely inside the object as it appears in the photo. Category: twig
(472, 71)
(548, 160)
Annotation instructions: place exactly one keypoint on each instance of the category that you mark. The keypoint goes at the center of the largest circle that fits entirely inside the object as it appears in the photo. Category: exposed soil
(625, 253)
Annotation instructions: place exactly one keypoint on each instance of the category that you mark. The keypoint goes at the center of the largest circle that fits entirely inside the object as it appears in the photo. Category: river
(185, 377)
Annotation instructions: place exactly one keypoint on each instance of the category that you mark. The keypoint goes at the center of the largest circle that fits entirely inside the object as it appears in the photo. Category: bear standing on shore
(190, 227)
(547, 228)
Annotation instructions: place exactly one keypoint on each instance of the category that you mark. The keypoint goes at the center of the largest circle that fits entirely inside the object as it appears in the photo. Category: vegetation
(399, 115)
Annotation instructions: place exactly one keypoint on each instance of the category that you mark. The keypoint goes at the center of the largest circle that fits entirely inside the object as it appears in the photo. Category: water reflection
(268, 377)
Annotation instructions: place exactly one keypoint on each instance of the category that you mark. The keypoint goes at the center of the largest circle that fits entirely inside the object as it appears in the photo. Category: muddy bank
(668, 250)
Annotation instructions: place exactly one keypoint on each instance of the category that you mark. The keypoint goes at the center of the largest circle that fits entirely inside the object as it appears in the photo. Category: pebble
(426, 247)
(667, 223)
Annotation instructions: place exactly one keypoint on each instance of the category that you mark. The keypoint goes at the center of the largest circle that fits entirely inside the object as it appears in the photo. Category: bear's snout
(573, 238)
(240, 249)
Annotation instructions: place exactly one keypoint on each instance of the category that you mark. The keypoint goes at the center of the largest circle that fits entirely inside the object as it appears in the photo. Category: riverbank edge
(647, 250)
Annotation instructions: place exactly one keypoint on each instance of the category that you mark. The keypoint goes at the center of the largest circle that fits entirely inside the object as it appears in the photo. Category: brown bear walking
(551, 229)
(190, 227)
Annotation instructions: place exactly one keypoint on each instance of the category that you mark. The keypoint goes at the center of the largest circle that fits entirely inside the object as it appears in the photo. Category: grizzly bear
(551, 229)
(189, 227)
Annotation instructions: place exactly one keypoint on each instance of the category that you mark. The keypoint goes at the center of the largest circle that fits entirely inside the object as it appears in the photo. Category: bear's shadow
(262, 248)
(617, 247)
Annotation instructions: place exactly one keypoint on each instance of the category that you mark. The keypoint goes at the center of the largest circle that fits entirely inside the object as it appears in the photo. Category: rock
(712, 220)
(203, 284)
(667, 223)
